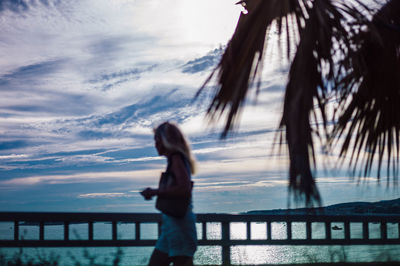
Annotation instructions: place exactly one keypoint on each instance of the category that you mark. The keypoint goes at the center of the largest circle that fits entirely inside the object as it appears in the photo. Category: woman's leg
(182, 261)
(159, 258)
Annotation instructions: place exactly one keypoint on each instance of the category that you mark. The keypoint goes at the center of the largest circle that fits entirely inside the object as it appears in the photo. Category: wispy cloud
(105, 195)
(203, 63)
(140, 175)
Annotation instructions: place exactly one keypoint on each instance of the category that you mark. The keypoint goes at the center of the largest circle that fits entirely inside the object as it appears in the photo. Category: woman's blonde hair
(173, 140)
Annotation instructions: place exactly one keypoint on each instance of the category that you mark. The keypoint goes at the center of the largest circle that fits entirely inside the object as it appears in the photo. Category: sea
(205, 255)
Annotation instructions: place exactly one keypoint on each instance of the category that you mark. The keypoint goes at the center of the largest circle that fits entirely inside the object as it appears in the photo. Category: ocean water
(208, 255)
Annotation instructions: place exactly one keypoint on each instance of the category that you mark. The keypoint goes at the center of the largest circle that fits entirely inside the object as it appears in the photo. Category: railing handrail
(216, 217)
(43, 219)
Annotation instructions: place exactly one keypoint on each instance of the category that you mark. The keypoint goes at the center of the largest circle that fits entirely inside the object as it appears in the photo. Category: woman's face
(159, 146)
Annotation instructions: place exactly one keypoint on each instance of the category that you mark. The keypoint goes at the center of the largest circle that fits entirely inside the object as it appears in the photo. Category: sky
(84, 82)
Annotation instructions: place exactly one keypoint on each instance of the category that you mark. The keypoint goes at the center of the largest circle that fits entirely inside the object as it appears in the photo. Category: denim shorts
(178, 236)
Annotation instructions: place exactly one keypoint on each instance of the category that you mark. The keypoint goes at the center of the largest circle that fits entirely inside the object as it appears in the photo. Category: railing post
(383, 230)
(66, 231)
(347, 230)
(41, 231)
(328, 232)
(204, 230)
(289, 230)
(248, 230)
(308, 230)
(226, 249)
(114, 230)
(137, 231)
(365, 230)
(90, 225)
(269, 234)
(398, 229)
(16, 230)
(159, 228)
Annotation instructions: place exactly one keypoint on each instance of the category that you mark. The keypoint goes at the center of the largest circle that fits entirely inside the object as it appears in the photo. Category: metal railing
(43, 219)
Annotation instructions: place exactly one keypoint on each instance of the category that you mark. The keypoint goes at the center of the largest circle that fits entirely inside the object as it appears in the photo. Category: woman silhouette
(177, 242)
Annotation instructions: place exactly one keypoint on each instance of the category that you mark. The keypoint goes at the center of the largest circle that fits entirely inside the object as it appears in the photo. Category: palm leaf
(370, 122)
(328, 30)
(312, 66)
(242, 60)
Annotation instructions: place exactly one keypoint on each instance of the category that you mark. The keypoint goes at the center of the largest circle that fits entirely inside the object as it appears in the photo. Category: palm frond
(370, 122)
(312, 66)
(339, 50)
(243, 57)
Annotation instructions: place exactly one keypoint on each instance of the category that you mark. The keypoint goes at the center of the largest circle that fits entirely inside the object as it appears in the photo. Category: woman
(177, 242)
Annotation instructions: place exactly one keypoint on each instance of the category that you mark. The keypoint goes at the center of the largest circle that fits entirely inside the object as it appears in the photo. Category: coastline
(385, 207)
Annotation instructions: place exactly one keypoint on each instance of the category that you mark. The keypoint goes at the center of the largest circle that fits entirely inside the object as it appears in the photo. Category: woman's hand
(149, 193)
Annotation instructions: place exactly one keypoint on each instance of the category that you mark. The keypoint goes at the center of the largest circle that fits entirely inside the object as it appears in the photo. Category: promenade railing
(366, 224)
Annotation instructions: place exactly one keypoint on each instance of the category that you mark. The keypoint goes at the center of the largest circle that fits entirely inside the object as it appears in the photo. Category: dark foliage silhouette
(344, 54)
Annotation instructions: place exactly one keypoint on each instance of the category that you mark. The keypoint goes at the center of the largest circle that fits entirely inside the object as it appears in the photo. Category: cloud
(27, 73)
(15, 6)
(13, 156)
(237, 185)
(94, 134)
(105, 195)
(151, 174)
(8, 145)
(22, 6)
(203, 63)
(113, 79)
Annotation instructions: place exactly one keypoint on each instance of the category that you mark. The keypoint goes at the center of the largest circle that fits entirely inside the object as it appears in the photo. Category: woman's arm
(183, 184)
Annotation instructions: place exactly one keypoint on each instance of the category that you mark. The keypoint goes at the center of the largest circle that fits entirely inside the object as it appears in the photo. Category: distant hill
(384, 207)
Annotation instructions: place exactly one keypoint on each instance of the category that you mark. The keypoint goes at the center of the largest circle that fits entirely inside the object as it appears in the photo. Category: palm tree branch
(243, 57)
(373, 84)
